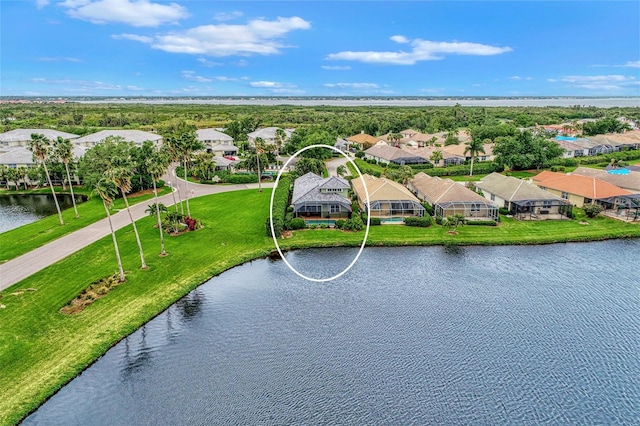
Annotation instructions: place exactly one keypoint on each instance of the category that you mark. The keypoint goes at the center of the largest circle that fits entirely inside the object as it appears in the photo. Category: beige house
(137, 137)
(449, 198)
(217, 142)
(22, 137)
(388, 199)
(269, 135)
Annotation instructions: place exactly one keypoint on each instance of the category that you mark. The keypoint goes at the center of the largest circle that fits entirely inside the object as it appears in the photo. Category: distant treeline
(83, 119)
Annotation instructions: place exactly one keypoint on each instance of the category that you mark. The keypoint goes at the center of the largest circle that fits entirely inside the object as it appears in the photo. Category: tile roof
(224, 147)
(438, 190)
(268, 133)
(584, 186)
(390, 153)
(24, 135)
(212, 135)
(135, 136)
(23, 155)
(363, 138)
(381, 189)
(630, 181)
(513, 189)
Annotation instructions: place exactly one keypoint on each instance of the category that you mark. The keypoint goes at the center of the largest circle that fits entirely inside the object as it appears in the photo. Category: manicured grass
(42, 349)
(18, 241)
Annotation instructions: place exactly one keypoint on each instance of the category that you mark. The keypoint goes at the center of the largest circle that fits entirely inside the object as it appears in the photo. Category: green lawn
(18, 241)
(41, 349)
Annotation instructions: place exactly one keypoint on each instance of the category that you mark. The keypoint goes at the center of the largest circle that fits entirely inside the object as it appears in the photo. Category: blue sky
(319, 48)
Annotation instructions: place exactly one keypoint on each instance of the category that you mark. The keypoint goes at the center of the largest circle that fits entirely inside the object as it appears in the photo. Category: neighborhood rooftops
(513, 189)
(23, 136)
(213, 135)
(584, 186)
(629, 181)
(135, 136)
(440, 191)
(310, 187)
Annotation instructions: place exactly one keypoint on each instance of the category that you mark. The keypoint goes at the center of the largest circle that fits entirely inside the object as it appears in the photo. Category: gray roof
(268, 133)
(513, 189)
(223, 162)
(391, 153)
(334, 182)
(206, 135)
(23, 155)
(629, 182)
(440, 191)
(307, 188)
(224, 147)
(135, 136)
(24, 135)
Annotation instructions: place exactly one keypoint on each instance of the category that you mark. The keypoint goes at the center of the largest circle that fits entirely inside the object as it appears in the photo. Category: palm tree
(157, 165)
(436, 156)
(473, 147)
(281, 136)
(63, 150)
(23, 174)
(40, 146)
(182, 146)
(259, 142)
(172, 144)
(121, 177)
(106, 190)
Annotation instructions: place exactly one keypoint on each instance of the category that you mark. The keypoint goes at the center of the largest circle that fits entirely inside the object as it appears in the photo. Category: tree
(157, 165)
(309, 165)
(592, 210)
(473, 147)
(63, 150)
(452, 138)
(259, 148)
(23, 174)
(281, 137)
(183, 143)
(342, 171)
(436, 157)
(524, 151)
(120, 175)
(106, 190)
(41, 148)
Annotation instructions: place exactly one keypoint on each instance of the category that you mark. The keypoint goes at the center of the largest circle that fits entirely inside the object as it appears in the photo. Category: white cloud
(192, 76)
(336, 67)
(277, 87)
(225, 78)
(137, 13)
(352, 85)
(613, 82)
(80, 85)
(57, 59)
(256, 37)
(422, 50)
(42, 3)
(632, 64)
(267, 84)
(134, 37)
(518, 78)
(134, 88)
(207, 63)
(228, 16)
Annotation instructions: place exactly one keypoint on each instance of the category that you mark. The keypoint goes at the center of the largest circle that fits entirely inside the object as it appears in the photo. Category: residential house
(389, 200)
(621, 177)
(22, 137)
(595, 146)
(316, 197)
(619, 141)
(138, 137)
(383, 153)
(448, 159)
(571, 149)
(270, 136)
(459, 150)
(363, 140)
(522, 199)
(580, 190)
(21, 156)
(449, 198)
(217, 142)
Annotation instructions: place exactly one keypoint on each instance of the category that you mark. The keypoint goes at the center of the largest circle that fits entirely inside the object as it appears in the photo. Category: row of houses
(549, 195)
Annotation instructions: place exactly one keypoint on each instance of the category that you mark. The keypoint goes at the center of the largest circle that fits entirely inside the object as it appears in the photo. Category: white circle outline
(273, 234)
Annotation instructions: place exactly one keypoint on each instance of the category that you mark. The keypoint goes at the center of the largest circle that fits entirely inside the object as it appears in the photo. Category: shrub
(482, 222)
(359, 154)
(354, 224)
(422, 222)
(340, 223)
(438, 220)
(297, 223)
(557, 168)
(277, 227)
(504, 211)
(375, 221)
(592, 210)
(428, 208)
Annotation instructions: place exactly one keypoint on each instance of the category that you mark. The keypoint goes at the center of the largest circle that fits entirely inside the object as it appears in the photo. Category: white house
(22, 137)
(138, 137)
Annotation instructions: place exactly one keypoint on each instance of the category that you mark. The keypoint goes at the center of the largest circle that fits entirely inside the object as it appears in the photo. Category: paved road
(29, 263)
(332, 166)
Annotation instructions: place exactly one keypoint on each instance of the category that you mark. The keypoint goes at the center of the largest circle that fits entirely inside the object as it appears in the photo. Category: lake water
(20, 209)
(402, 102)
(436, 335)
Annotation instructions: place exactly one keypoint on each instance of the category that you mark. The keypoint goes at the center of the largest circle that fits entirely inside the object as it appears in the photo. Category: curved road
(15, 270)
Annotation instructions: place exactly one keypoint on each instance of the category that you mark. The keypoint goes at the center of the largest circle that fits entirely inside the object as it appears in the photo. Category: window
(493, 197)
(475, 207)
(565, 195)
(546, 204)
(334, 208)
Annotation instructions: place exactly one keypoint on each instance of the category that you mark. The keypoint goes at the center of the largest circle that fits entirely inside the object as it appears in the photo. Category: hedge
(280, 204)
(422, 222)
(481, 222)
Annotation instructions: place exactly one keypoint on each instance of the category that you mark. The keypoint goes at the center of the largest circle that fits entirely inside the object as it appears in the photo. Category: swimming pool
(618, 172)
(566, 138)
(393, 220)
(328, 222)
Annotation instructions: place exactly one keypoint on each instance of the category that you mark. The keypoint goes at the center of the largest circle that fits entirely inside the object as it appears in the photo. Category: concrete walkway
(15, 270)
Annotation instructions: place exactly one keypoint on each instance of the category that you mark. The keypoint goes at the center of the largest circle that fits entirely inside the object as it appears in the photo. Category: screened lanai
(397, 208)
(470, 210)
(540, 209)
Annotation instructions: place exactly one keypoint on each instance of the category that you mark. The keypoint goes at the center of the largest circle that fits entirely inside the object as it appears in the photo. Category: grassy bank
(18, 241)
(41, 349)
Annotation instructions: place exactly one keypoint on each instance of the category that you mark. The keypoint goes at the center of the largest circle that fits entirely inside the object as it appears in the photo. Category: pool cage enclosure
(471, 210)
(387, 208)
(537, 209)
(334, 209)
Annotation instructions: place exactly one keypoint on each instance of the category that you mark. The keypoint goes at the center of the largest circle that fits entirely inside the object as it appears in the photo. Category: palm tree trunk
(179, 196)
(115, 243)
(186, 192)
(258, 160)
(471, 170)
(73, 197)
(55, 200)
(135, 231)
(155, 191)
